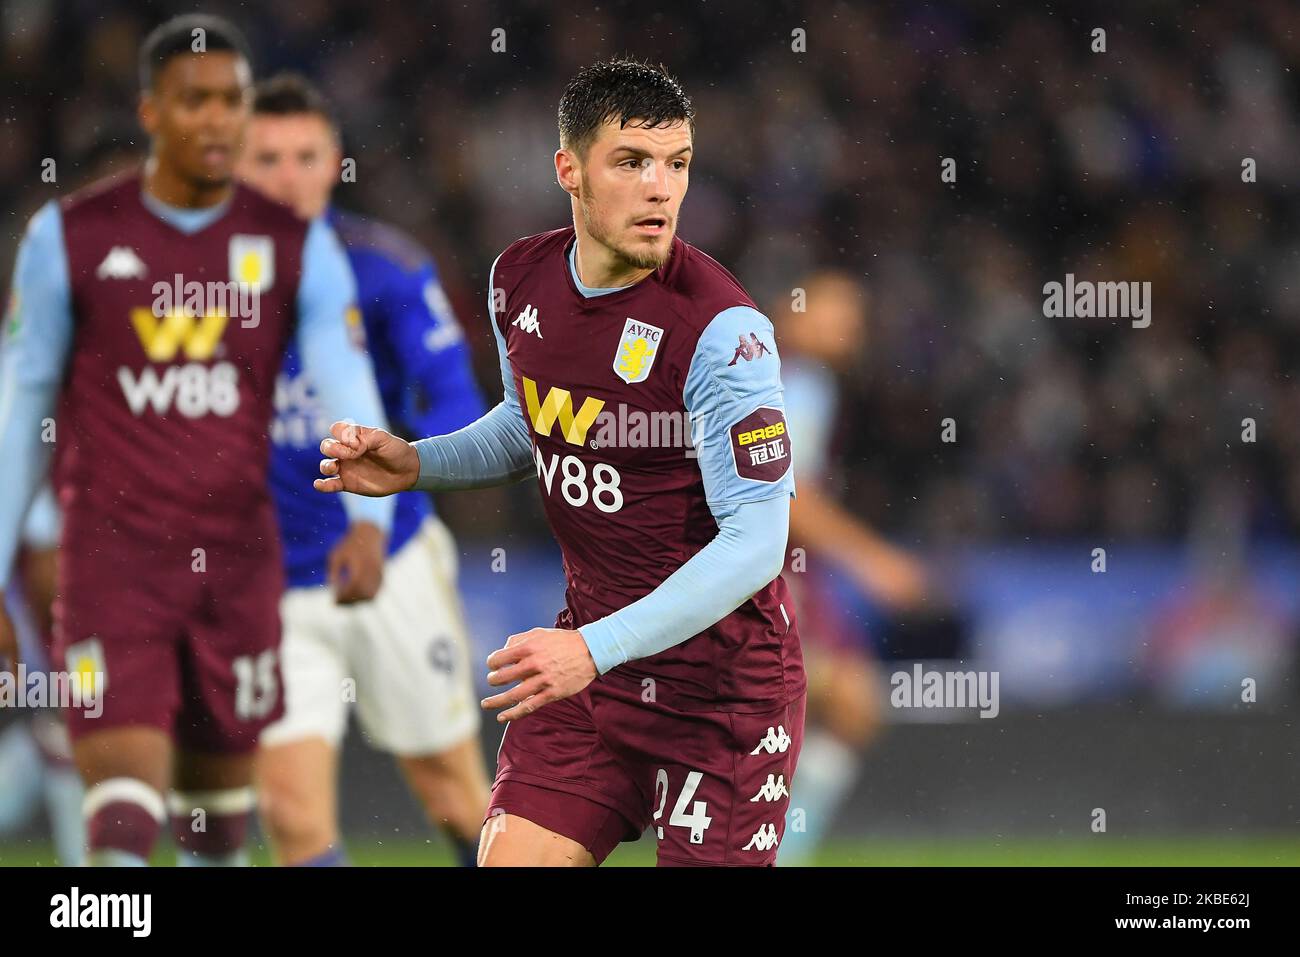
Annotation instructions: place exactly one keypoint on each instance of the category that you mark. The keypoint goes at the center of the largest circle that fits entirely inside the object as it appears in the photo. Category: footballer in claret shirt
(670, 692)
(149, 316)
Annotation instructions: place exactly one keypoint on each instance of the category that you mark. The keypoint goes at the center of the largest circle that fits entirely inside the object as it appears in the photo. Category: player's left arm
(331, 341)
(441, 394)
(733, 408)
(35, 343)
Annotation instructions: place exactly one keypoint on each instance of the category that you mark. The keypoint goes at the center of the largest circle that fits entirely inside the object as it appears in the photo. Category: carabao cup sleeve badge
(760, 444)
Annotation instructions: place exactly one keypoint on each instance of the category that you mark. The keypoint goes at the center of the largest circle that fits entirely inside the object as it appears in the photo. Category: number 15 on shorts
(697, 820)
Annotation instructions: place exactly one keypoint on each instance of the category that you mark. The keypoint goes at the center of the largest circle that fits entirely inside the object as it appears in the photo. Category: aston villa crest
(636, 351)
(252, 261)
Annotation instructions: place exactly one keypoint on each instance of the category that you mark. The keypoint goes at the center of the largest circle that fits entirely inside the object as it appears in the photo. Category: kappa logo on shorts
(764, 839)
(773, 790)
(776, 740)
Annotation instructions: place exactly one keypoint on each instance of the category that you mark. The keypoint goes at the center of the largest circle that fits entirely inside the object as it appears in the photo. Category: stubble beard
(651, 258)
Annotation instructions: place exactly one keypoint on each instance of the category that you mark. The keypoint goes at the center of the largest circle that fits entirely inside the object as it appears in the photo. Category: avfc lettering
(637, 348)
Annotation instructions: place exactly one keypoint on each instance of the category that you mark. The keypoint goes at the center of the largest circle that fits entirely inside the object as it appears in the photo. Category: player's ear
(147, 112)
(566, 171)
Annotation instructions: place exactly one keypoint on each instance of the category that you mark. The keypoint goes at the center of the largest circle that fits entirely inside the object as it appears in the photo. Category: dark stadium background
(1120, 690)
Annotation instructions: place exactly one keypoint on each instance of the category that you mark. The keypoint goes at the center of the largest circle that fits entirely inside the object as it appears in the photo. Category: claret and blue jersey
(421, 365)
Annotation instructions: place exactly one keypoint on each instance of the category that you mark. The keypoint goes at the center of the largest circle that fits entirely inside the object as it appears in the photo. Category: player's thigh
(852, 703)
(231, 678)
(138, 752)
(118, 627)
(318, 685)
(415, 687)
(555, 771)
(511, 841)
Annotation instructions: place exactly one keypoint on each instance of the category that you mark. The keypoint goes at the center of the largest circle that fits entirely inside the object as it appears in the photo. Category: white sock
(20, 777)
(64, 794)
(220, 840)
(238, 858)
(110, 857)
(825, 773)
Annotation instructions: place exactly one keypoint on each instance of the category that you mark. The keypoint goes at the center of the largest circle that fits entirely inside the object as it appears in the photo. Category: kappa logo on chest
(637, 348)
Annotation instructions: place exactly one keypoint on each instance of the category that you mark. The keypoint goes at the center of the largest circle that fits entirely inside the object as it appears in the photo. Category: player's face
(633, 183)
(293, 159)
(196, 115)
(834, 326)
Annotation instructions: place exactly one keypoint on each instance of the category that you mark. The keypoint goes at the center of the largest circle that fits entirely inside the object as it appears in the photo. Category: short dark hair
(623, 90)
(290, 94)
(176, 37)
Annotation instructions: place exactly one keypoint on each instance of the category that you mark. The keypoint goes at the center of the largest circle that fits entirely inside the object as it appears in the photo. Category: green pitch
(1103, 850)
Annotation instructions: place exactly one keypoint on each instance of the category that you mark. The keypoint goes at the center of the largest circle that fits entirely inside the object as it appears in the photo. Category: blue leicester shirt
(422, 368)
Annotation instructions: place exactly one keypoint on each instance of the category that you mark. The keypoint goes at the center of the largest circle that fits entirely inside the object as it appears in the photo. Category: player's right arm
(818, 521)
(495, 449)
(34, 345)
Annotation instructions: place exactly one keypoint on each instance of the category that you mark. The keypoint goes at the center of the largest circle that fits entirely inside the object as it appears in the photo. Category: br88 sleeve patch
(760, 445)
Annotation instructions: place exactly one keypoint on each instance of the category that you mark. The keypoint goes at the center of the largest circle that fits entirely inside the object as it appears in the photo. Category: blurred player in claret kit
(670, 692)
(845, 699)
(407, 649)
(170, 576)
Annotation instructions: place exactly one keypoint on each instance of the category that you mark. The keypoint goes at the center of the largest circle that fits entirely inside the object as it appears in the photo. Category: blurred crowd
(1123, 165)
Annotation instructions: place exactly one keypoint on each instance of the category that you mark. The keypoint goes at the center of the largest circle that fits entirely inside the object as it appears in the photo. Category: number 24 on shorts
(698, 820)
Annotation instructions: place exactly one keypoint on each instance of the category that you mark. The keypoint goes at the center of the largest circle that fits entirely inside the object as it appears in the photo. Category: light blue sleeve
(44, 520)
(495, 449)
(722, 389)
(334, 356)
(34, 345)
(746, 554)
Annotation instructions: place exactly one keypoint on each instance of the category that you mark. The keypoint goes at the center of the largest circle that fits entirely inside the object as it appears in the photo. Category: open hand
(548, 663)
(366, 461)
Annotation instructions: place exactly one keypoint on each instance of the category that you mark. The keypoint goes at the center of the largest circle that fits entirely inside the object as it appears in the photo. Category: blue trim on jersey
(425, 381)
(589, 292)
(187, 220)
